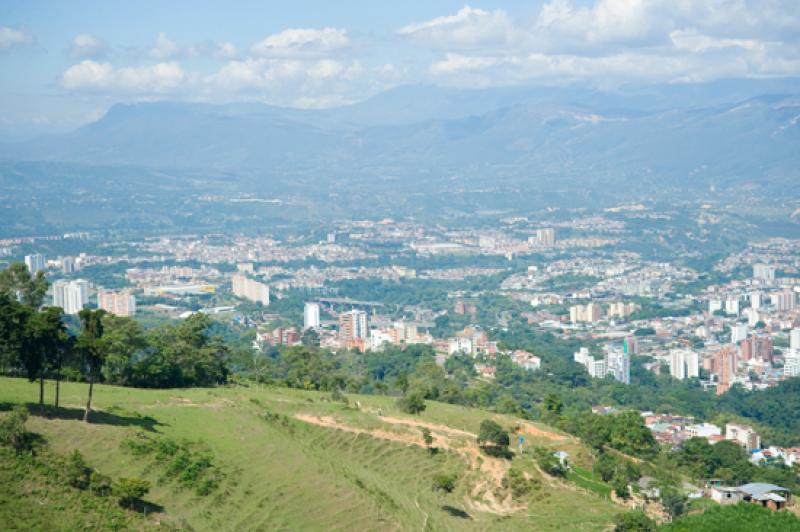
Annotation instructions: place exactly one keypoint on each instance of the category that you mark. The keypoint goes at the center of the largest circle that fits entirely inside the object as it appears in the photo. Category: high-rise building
(714, 305)
(755, 300)
(784, 300)
(738, 332)
(71, 296)
(791, 363)
(311, 316)
(630, 345)
(250, 289)
(68, 265)
(725, 368)
(546, 237)
(794, 338)
(353, 325)
(618, 363)
(684, 364)
(765, 272)
(756, 347)
(732, 306)
(35, 263)
(121, 303)
(593, 312)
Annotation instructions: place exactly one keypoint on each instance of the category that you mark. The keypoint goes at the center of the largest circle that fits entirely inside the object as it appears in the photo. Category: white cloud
(468, 28)
(225, 50)
(94, 76)
(643, 40)
(164, 48)
(88, 46)
(10, 37)
(301, 41)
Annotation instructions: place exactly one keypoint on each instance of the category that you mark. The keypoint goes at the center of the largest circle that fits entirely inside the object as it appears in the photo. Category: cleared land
(292, 459)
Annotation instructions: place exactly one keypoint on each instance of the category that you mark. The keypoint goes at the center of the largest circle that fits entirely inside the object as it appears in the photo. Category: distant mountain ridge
(686, 135)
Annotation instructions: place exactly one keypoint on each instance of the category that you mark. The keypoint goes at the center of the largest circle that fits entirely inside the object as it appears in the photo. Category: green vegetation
(742, 517)
(293, 468)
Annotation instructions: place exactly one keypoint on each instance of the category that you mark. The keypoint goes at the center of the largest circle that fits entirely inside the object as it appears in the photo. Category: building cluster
(249, 289)
(615, 361)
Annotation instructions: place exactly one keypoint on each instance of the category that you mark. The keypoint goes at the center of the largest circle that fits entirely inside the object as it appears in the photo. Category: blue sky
(64, 63)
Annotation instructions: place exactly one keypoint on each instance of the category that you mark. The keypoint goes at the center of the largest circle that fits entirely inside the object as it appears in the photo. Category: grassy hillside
(275, 458)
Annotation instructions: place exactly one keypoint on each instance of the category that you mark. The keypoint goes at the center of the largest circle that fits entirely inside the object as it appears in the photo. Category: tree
(130, 490)
(635, 521)
(310, 339)
(553, 406)
(413, 402)
(605, 466)
(445, 482)
(492, 439)
(674, 503)
(124, 340)
(45, 345)
(90, 345)
(13, 322)
(12, 429)
(427, 437)
(16, 282)
(548, 462)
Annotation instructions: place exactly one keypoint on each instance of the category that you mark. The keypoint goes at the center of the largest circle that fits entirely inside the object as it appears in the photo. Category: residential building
(756, 300)
(794, 338)
(249, 289)
(353, 325)
(725, 368)
(121, 303)
(35, 263)
(732, 306)
(71, 296)
(765, 272)
(791, 363)
(784, 300)
(684, 364)
(738, 332)
(68, 265)
(744, 435)
(756, 348)
(311, 316)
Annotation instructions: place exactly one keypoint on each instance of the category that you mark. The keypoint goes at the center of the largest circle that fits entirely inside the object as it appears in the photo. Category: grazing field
(276, 458)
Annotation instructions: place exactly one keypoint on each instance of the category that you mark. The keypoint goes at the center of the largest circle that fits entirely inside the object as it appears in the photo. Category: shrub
(635, 521)
(548, 462)
(79, 474)
(12, 429)
(412, 403)
(492, 439)
(101, 485)
(130, 490)
(445, 482)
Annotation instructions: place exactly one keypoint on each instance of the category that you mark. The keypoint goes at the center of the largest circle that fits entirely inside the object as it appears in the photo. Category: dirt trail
(490, 471)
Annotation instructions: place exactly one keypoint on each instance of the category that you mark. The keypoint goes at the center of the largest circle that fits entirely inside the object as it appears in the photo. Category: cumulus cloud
(164, 48)
(95, 76)
(301, 41)
(649, 40)
(88, 46)
(12, 37)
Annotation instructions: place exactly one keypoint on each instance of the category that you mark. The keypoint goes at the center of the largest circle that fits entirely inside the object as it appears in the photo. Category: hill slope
(288, 459)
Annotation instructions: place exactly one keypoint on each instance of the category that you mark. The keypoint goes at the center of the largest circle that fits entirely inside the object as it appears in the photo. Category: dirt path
(491, 471)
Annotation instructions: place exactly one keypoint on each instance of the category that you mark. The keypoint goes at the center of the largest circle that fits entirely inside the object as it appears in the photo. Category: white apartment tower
(35, 263)
(71, 295)
(311, 316)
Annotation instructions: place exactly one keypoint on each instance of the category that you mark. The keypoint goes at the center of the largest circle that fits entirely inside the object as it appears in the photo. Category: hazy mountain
(686, 134)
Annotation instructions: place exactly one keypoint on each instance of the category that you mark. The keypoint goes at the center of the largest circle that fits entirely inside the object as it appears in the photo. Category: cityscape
(524, 265)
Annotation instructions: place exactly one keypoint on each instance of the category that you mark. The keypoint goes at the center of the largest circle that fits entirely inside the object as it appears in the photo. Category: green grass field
(295, 460)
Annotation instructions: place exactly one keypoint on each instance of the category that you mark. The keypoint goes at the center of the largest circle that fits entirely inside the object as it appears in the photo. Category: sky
(63, 64)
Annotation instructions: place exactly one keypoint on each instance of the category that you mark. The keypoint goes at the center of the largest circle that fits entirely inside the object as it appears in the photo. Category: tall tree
(13, 321)
(90, 345)
(44, 341)
(16, 282)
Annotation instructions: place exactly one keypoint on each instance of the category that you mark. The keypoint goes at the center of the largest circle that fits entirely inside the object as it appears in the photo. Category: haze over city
(419, 266)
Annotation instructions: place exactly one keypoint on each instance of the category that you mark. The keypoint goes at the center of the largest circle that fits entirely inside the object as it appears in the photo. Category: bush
(12, 429)
(635, 521)
(101, 485)
(445, 482)
(79, 474)
(548, 462)
(492, 439)
(412, 403)
(130, 490)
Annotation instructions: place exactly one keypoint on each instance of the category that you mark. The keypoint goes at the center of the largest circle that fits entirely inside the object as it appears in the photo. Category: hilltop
(292, 459)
